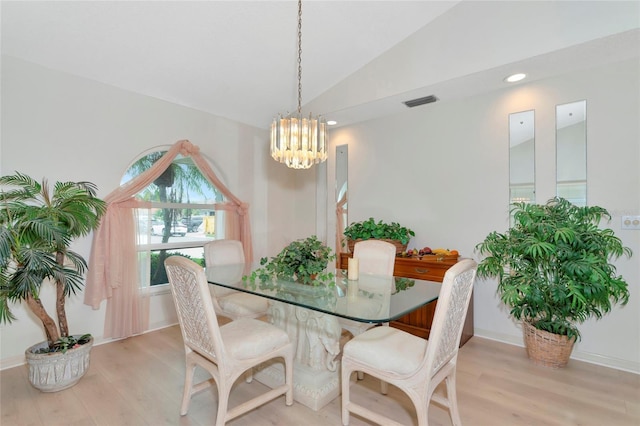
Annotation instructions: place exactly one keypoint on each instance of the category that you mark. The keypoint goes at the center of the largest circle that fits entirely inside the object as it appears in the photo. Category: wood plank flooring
(138, 381)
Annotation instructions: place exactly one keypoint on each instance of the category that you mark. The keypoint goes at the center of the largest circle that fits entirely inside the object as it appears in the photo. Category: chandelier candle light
(297, 141)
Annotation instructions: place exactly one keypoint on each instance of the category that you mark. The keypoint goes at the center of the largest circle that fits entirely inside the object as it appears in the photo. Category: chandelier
(297, 141)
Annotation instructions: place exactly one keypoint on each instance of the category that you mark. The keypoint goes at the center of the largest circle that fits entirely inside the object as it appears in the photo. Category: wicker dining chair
(225, 352)
(374, 257)
(228, 302)
(414, 365)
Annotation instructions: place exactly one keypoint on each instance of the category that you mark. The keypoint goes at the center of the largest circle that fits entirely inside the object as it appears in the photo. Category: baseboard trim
(618, 364)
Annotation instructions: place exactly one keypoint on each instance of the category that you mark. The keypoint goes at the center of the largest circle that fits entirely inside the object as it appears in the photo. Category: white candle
(352, 271)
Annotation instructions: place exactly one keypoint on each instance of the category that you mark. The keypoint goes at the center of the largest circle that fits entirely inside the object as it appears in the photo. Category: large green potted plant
(37, 227)
(393, 232)
(554, 272)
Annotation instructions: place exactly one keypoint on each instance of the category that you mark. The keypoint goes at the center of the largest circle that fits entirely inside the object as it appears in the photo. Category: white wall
(442, 169)
(62, 127)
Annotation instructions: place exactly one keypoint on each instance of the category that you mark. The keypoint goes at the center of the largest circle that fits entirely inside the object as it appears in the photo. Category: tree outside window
(181, 218)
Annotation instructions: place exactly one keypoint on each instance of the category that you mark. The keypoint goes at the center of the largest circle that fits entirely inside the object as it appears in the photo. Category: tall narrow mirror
(342, 161)
(571, 152)
(522, 174)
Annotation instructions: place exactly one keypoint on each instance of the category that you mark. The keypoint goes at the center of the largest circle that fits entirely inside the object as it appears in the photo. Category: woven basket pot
(547, 349)
(399, 246)
(53, 372)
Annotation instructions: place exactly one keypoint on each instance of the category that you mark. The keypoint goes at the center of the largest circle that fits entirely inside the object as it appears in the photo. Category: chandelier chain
(296, 141)
(299, 56)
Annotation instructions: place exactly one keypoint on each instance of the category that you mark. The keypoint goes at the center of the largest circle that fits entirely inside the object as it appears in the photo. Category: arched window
(181, 217)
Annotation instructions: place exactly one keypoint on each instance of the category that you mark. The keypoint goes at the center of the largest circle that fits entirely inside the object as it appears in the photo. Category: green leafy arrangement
(553, 265)
(379, 230)
(304, 261)
(63, 344)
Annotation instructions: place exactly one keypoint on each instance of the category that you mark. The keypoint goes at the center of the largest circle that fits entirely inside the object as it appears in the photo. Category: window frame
(145, 248)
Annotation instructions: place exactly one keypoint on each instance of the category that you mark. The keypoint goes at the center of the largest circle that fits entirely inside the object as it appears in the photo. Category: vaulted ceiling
(237, 59)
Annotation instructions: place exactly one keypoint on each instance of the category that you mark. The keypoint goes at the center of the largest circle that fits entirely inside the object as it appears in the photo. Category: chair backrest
(198, 321)
(375, 256)
(451, 311)
(223, 252)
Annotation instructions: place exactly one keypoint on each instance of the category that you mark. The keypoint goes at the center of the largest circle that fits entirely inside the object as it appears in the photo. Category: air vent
(420, 101)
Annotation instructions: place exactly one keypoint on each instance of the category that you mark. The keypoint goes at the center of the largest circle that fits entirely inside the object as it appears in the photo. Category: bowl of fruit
(427, 253)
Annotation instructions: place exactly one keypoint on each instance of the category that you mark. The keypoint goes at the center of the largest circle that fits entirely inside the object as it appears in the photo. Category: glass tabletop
(370, 299)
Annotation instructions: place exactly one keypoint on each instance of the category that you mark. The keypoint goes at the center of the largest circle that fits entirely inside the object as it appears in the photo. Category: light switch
(631, 222)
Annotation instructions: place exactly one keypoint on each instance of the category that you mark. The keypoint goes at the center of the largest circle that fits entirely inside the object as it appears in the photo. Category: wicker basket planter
(53, 372)
(399, 246)
(547, 349)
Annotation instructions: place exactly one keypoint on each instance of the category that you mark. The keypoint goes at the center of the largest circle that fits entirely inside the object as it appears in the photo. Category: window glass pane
(182, 182)
(181, 219)
(152, 262)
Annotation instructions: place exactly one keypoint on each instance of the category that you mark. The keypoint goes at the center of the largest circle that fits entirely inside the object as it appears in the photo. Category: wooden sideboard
(428, 268)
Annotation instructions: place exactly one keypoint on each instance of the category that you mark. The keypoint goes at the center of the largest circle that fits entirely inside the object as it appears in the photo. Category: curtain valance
(113, 264)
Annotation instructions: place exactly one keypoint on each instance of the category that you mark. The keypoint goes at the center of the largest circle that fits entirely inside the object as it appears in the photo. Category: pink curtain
(113, 265)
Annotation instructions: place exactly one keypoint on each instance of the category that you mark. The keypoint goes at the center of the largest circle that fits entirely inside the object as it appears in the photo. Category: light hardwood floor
(138, 381)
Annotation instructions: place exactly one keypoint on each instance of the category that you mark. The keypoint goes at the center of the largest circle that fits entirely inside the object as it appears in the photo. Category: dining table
(310, 314)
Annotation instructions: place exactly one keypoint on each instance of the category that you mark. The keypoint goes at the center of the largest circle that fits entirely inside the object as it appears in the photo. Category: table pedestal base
(311, 388)
(316, 340)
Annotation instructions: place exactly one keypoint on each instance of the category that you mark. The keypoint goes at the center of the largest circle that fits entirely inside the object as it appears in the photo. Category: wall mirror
(571, 152)
(342, 210)
(522, 175)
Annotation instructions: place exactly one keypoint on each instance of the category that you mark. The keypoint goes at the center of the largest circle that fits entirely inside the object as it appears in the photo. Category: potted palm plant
(393, 232)
(37, 228)
(554, 272)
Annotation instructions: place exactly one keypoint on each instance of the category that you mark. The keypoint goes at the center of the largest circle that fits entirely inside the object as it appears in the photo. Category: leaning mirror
(571, 152)
(522, 176)
(342, 160)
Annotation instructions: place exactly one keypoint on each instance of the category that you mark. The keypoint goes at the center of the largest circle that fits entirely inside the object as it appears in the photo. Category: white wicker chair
(374, 257)
(224, 352)
(227, 302)
(413, 364)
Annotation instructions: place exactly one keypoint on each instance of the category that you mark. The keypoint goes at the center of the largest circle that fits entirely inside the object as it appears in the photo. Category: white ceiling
(237, 59)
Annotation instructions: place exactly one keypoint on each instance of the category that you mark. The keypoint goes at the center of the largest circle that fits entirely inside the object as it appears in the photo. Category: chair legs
(288, 380)
(188, 382)
(346, 399)
(452, 397)
(420, 399)
(223, 404)
(224, 388)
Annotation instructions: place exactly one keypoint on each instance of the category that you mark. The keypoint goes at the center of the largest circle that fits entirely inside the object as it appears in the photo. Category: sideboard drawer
(430, 271)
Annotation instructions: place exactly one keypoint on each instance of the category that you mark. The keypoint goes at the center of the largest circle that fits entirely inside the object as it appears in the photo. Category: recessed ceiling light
(515, 77)
(332, 122)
